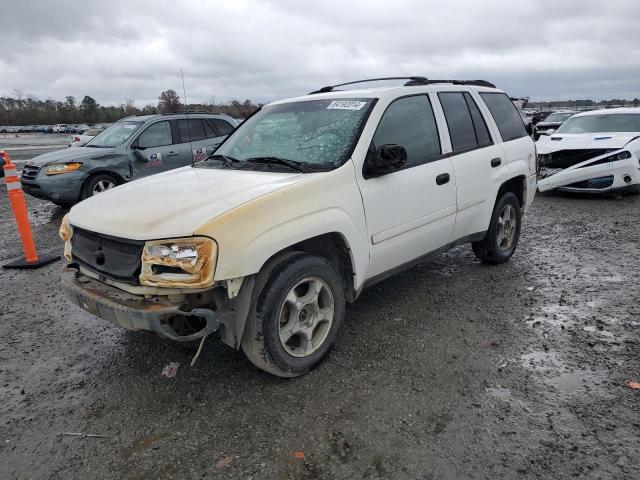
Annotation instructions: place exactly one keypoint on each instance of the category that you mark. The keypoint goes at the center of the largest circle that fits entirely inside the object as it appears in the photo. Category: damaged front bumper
(158, 314)
(595, 175)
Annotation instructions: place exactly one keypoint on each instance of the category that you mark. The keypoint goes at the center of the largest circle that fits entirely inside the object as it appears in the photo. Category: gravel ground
(451, 370)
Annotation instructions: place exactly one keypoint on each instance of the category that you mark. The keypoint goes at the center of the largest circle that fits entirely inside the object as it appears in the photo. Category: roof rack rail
(190, 112)
(411, 82)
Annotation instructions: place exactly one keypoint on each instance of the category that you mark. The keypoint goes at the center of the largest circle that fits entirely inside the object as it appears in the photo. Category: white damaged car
(594, 152)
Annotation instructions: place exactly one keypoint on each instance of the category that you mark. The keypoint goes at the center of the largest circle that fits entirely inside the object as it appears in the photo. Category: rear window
(505, 115)
(467, 128)
(222, 127)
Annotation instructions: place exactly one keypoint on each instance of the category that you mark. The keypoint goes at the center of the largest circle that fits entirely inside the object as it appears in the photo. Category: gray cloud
(265, 50)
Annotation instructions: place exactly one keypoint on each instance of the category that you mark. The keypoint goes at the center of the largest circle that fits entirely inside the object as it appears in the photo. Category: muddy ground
(451, 370)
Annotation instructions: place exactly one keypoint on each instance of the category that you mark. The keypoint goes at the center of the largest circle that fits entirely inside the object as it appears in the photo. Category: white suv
(306, 203)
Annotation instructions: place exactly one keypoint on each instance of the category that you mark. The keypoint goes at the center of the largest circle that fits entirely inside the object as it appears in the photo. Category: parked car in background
(539, 116)
(131, 148)
(551, 123)
(596, 151)
(78, 140)
(306, 203)
(60, 128)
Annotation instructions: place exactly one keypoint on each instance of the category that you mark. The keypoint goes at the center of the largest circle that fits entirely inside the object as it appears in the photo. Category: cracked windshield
(317, 133)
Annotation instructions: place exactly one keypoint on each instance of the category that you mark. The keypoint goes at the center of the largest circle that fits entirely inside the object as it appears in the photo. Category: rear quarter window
(505, 115)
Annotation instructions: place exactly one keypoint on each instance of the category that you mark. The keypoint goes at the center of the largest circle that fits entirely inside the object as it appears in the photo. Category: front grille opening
(159, 269)
(186, 325)
(116, 258)
(598, 183)
(29, 172)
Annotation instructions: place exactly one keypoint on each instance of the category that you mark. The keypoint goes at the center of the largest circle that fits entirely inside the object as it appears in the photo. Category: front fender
(250, 234)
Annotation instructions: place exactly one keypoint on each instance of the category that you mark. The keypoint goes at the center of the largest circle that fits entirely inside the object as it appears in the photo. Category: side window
(156, 135)
(191, 130)
(223, 128)
(209, 131)
(479, 125)
(459, 121)
(505, 114)
(410, 122)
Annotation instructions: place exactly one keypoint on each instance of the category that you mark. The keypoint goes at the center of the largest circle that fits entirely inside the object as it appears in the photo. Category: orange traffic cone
(16, 197)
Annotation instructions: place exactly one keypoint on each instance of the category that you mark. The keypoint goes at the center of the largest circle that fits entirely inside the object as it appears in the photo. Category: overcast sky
(264, 50)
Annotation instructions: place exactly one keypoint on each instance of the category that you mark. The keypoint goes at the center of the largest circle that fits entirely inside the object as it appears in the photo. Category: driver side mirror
(137, 153)
(385, 159)
(549, 131)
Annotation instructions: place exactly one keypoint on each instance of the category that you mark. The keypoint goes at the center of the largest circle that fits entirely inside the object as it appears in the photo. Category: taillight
(76, 139)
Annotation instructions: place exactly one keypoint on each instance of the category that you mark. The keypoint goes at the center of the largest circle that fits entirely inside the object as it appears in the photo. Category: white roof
(387, 92)
(610, 111)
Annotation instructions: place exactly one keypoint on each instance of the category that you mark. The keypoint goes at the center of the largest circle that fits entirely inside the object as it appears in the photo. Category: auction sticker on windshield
(346, 105)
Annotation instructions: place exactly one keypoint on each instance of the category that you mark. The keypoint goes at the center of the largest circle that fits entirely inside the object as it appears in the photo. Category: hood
(587, 141)
(174, 203)
(69, 155)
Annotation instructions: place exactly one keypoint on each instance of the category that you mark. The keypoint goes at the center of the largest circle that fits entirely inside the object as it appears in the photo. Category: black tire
(261, 339)
(492, 249)
(91, 184)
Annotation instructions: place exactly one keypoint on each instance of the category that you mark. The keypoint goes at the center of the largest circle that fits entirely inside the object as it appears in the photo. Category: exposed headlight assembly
(66, 232)
(59, 168)
(180, 262)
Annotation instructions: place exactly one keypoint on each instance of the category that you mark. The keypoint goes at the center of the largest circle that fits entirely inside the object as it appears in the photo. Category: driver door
(155, 150)
(410, 212)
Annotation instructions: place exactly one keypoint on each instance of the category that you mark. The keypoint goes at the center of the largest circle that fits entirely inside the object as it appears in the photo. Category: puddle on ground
(542, 361)
(141, 444)
(501, 393)
(573, 382)
(604, 333)
(555, 316)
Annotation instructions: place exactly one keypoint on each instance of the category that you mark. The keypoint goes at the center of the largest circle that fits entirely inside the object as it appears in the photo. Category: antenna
(186, 111)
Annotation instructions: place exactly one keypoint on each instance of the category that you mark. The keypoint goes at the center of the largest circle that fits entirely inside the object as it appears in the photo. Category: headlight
(180, 262)
(66, 232)
(58, 168)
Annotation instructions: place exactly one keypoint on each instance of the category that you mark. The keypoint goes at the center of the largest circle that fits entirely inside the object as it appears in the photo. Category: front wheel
(296, 320)
(98, 184)
(504, 231)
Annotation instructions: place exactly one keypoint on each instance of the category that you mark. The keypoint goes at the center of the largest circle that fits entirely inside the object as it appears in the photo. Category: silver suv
(131, 148)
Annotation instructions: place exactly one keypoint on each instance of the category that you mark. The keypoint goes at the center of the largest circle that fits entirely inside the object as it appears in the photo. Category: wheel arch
(516, 185)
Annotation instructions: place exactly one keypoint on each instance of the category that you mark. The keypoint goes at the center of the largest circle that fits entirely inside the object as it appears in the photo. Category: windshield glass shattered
(314, 134)
(608, 122)
(113, 136)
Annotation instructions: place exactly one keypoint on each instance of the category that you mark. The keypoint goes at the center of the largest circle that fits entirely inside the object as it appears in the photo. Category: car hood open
(586, 141)
(69, 155)
(174, 203)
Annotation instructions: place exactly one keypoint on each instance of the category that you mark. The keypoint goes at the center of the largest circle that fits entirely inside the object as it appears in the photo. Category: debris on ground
(223, 462)
(633, 385)
(299, 455)
(170, 369)
(82, 435)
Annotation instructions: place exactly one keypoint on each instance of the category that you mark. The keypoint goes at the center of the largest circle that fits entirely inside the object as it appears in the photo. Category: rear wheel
(98, 184)
(298, 314)
(504, 231)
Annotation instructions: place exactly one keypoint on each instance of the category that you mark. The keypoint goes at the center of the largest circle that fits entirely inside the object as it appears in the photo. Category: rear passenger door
(201, 136)
(477, 162)
(411, 211)
(157, 150)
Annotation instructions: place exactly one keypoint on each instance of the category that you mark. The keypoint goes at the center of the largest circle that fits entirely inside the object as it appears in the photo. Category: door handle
(442, 178)
(495, 162)
(172, 154)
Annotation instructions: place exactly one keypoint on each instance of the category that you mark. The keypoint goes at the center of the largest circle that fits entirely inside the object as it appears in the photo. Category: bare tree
(169, 101)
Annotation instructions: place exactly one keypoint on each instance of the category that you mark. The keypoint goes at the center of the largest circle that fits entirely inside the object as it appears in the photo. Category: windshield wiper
(226, 160)
(298, 166)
